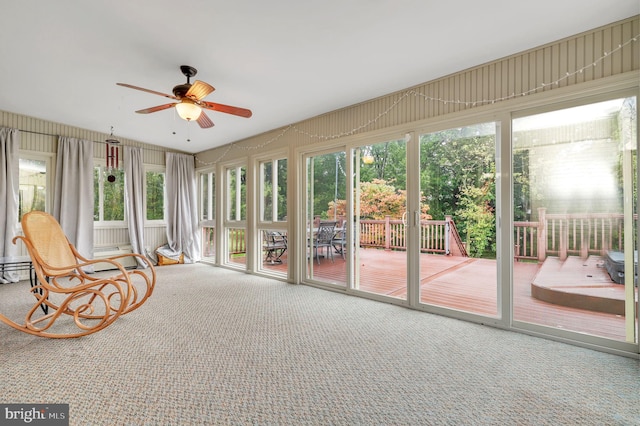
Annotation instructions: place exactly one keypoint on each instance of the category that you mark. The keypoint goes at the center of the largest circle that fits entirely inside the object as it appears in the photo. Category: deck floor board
(469, 285)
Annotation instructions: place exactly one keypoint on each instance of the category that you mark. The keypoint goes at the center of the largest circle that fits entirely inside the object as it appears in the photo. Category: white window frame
(273, 159)
(211, 208)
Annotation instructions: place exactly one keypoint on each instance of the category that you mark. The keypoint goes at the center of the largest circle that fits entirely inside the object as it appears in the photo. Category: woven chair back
(52, 249)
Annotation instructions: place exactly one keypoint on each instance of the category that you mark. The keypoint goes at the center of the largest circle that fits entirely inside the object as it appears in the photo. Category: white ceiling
(286, 60)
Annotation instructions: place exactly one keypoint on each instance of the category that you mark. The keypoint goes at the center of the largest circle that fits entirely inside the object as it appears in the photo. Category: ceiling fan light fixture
(188, 110)
(190, 103)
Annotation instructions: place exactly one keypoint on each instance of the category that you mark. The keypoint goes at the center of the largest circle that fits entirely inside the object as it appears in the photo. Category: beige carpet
(214, 346)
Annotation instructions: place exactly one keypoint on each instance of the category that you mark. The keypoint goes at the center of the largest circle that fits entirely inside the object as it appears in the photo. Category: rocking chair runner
(75, 303)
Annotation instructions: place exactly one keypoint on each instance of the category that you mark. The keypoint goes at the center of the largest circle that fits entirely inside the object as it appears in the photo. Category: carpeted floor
(213, 346)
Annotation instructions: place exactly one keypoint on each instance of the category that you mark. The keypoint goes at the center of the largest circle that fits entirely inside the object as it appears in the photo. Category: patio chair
(73, 302)
(275, 245)
(339, 241)
(323, 238)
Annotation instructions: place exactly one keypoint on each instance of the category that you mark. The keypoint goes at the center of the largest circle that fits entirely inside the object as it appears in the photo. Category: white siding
(509, 78)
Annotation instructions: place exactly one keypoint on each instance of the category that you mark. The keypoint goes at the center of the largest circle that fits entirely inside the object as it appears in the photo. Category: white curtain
(73, 192)
(9, 167)
(183, 235)
(134, 194)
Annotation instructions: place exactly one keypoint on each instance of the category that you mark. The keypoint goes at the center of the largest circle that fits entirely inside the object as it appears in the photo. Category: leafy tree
(477, 215)
(155, 195)
(329, 181)
(113, 194)
(235, 175)
(457, 174)
(389, 163)
(378, 199)
(267, 192)
(521, 187)
(450, 161)
(113, 202)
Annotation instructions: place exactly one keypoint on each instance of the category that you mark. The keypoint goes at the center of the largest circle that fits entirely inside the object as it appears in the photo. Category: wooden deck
(470, 285)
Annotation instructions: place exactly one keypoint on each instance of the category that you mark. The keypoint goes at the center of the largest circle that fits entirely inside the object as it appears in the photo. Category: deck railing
(558, 235)
(565, 235)
(237, 241)
(436, 236)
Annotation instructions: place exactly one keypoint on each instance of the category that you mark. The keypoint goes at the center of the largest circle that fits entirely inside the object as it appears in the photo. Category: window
(32, 183)
(236, 193)
(108, 203)
(207, 196)
(155, 195)
(208, 214)
(273, 186)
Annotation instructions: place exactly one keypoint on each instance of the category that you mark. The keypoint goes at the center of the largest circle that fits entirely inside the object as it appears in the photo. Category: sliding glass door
(419, 221)
(575, 187)
(325, 217)
(365, 250)
(458, 267)
(379, 227)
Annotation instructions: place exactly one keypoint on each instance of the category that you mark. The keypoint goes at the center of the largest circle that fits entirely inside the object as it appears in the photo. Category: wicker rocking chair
(69, 301)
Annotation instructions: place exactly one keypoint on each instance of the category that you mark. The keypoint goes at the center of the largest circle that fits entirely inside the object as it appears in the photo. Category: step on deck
(579, 283)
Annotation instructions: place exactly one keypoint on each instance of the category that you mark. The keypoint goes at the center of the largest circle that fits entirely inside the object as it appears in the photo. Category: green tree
(234, 175)
(477, 215)
(521, 187)
(457, 176)
(112, 194)
(329, 181)
(450, 161)
(389, 163)
(267, 191)
(113, 202)
(155, 195)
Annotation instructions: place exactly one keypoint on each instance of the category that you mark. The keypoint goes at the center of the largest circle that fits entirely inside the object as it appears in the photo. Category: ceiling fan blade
(242, 112)
(147, 90)
(204, 121)
(199, 89)
(155, 108)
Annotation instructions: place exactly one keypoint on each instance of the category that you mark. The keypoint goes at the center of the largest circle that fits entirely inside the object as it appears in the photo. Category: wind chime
(112, 157)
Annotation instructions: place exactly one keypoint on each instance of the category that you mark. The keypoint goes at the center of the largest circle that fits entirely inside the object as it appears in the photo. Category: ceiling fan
(190, 103)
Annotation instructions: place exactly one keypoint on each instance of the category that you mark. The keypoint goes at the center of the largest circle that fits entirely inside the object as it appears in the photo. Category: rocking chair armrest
(19, 237)
(122, 283)
(77, 254)
(78, 267)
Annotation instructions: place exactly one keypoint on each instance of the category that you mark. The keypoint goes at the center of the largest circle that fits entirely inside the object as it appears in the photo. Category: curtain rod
(50, 134)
